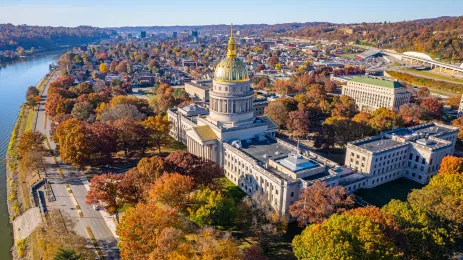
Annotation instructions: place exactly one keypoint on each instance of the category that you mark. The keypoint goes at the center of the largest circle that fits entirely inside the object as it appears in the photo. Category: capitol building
(229, 133)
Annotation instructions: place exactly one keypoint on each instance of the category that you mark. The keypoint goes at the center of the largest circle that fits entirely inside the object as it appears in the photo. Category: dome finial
(231, 45)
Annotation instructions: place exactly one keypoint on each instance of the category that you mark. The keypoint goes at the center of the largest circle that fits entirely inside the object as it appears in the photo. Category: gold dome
(231, 69)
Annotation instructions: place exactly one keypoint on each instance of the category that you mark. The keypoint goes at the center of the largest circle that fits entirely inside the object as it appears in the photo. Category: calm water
(14, 80)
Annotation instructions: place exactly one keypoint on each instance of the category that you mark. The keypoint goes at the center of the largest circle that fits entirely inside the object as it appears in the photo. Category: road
(73, 177)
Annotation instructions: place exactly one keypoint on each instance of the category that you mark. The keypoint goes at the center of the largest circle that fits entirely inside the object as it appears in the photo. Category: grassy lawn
(442, 92)
(434, 75)
(382, 194)
(30, 120)
(231, 189)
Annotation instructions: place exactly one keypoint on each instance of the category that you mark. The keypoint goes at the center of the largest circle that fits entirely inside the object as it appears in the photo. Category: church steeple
(231, 45)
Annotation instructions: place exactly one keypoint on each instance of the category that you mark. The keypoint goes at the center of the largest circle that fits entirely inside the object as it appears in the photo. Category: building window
(292, 194)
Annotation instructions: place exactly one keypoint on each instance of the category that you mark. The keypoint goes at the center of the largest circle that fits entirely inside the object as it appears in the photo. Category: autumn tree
(277, 112)
(82, 110)
(32, 96)
(363, 120)
(131, 136)
(318, 202)
(258, 216)
(164, 98)
(454, 102)
(208, 243)
(104, 68)
(432, 108)
(385, 221)
(158, 128)
(31, 151)
(203, 172)
(105, 189)
(142, 226)
(172, 190)
(55, 233)
(30, 141)
(122, 67)
(102, 138)
(81, 144)
(423, 93)
(451, 165)
(411, 114)
(344, 237)
(122, 111)
(298, 123)
(345, 107)
(325, 137)
(384, 119)
(345, 130)
(134, 187)
(254, 253)
(329, 86)
(459, 123)
(141, 104)
(152, 167)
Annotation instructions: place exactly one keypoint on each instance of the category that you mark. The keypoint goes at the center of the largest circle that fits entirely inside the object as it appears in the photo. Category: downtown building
(370, 94)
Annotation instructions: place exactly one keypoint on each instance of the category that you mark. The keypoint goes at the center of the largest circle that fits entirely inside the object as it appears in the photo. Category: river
(14, 80)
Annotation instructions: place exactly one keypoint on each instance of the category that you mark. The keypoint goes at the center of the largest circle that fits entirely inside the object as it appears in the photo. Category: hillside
(440, 37)
(46, 37)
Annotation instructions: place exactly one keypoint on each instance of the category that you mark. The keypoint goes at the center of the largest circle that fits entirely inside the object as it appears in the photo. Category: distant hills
(44, 38)
(218, 28)
(439, 37)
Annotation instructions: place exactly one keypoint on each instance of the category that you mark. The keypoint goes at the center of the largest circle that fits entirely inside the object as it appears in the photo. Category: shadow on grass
(382, 194)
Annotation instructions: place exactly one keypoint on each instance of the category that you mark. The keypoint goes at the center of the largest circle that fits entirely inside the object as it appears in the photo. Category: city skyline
(144, 13)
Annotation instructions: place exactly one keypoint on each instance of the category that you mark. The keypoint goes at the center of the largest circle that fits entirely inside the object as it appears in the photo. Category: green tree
(66, 254)
(211, 208)
(441, 197)
(425, 237)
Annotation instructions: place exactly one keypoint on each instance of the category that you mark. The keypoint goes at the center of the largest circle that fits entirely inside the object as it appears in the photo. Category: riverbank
(9, 60)
(18, 184)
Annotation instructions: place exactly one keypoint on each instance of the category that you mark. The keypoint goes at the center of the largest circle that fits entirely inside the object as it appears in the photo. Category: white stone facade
(370, 94)
(414, 153)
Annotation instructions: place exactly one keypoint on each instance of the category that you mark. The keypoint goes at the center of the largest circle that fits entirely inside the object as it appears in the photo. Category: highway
(75, 179)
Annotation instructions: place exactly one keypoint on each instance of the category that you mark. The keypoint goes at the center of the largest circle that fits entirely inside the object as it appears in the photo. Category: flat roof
(431, 129)
(378, 82)
(378, 144)
(262, 151)
(201, 85)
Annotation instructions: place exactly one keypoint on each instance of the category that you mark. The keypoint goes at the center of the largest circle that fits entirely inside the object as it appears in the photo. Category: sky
(116, 13)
